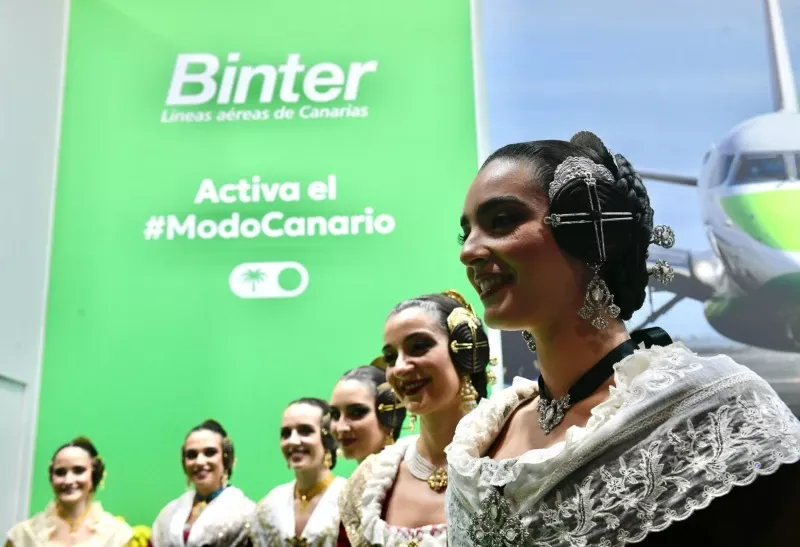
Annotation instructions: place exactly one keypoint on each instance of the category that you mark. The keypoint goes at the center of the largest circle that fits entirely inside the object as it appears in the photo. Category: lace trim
(476, 432)
(377, 531)
(103, 525)
(350, 503)
(653, 484)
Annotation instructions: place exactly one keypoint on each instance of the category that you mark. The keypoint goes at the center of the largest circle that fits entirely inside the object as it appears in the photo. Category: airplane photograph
(702, 99)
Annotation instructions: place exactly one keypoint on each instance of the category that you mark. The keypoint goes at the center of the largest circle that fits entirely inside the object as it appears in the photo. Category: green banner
(245, 189)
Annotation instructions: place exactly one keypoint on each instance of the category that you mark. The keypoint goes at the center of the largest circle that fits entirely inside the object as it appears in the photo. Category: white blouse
(224, 522)
(108, 531)
(272, 523)
(363, 499)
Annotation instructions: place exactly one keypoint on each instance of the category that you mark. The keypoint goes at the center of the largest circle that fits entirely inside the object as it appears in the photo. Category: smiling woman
(73, 518)
(436, 353)
(306, 510)
(215, 513)
(365, 414)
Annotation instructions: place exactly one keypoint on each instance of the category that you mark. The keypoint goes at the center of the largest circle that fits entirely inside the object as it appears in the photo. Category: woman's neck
(74, 512)
(567, 352)
(305, 479)
(436, 431)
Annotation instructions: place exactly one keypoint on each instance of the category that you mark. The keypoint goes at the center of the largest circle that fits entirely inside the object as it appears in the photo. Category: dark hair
(228, 453)
(375, 379)
(468, 363)
(328, 442)
(98, 465)
(626, 243)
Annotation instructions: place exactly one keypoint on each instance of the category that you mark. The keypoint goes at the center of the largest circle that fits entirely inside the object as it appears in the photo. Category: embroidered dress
(108, 531)
(677, 434)
(362, 504)
(273, 522)
(223, 523)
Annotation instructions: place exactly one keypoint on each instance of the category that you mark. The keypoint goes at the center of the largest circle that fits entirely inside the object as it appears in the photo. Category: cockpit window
(720, 173)
(761, 168)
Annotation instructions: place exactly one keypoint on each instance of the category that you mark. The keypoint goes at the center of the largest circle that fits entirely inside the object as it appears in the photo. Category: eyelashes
(462, 238)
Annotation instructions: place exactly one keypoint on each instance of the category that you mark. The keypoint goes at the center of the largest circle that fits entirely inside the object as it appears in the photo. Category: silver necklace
(423, 470)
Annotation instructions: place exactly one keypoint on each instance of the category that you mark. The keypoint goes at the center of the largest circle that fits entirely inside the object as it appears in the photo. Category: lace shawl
(108, 531)
(224, 522)
(273, 521)
(676, 432)
(362, 500)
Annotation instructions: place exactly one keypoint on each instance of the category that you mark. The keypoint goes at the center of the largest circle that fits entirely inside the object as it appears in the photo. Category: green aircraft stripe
(773, 218)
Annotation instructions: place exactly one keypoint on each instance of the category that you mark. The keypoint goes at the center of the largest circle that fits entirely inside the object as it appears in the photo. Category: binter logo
(287, 83)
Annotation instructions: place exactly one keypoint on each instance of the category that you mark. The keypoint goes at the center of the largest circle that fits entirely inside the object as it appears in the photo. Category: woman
(215, 513)
(73, 518)
(365, 416)
(620, 441)
(436, 352)
(304, 512)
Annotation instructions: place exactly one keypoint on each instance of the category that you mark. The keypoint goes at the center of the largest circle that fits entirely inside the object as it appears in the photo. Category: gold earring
(412, 421)
(389, 439)
(328, 460)
(468, 394)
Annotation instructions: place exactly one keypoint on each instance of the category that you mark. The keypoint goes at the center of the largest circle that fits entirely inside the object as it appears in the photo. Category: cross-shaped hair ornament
(591, 173)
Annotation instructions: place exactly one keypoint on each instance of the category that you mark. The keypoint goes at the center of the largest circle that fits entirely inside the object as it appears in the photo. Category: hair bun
(469, 346)
(390, 413)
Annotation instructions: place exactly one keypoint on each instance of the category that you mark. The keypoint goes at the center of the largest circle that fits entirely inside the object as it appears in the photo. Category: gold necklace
(312, 492)
(75, 523)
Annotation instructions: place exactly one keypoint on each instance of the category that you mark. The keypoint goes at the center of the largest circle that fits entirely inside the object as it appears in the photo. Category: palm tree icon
(254, 277)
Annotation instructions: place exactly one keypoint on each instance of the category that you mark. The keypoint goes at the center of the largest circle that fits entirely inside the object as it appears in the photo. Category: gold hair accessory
(380, 362)
(465, 316)
(458, 297)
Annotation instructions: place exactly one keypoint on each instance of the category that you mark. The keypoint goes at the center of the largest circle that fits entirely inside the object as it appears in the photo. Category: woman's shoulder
(239, 499)
(111, 526)
(477, 430)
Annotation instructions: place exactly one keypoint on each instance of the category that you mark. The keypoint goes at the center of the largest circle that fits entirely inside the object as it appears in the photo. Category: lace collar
(478, 430)
(102, 525)
(376, 530)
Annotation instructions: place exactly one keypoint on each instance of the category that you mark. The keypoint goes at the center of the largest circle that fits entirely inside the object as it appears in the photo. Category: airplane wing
(693, 278)
(694, 273)
(668, 177)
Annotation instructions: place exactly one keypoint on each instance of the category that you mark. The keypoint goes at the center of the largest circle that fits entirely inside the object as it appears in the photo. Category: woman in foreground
(73, 517)
(436, 354)
(620, 441)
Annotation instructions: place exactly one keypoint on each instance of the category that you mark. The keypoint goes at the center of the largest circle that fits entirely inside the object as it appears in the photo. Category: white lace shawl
(224, 522)
(676, 432)
(108, 531)
(366, 495)
(273, 523)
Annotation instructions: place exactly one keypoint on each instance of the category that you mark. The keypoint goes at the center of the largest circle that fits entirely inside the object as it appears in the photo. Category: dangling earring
(224, 479)
(328, 460)
(468, 394)
(528, 337)
(339, 452)
(598, 302)
(389, 440)
(412, 421)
